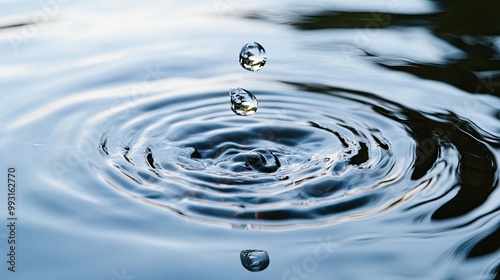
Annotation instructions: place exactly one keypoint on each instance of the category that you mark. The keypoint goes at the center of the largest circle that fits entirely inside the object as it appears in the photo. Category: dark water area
(373, 154)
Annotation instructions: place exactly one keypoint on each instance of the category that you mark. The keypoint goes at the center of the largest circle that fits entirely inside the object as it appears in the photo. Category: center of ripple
(259, 160)
(253, 152)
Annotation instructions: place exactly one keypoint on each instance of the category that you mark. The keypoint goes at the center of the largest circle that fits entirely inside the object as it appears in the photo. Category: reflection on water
(471, 28)
(375, 145)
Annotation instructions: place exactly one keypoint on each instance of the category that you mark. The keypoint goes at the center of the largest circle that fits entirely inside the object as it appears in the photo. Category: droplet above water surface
(254, 260)
(243, 102)
(252, 56)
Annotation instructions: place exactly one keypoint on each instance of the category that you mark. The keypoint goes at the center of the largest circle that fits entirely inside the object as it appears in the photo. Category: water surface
(373, 154)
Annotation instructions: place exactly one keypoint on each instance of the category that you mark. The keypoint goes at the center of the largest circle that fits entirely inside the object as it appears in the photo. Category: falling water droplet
(253, 56)
(254, 260)
(243, 102)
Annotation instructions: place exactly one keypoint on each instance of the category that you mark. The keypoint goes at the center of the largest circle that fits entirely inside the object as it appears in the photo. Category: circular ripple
(310, 156)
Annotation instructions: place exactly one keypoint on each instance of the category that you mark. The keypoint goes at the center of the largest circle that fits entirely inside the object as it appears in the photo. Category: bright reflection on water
(373, 155)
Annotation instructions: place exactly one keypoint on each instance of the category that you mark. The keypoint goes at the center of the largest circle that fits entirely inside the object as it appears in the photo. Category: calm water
(373, 155)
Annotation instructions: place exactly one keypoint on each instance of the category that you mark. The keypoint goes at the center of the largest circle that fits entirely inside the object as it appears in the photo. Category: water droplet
(254, 260)
(253, 56)
(243, 102)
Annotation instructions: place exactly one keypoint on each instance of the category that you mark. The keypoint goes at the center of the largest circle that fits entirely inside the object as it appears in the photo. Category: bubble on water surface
(252, 56)
(254, 260)
(243, 102)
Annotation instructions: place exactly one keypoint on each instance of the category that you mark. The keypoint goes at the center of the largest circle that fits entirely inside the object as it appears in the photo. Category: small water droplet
(243, 102)
(254, 260)
(253, 56)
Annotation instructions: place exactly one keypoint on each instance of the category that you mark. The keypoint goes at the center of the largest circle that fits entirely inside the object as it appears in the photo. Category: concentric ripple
(313, 155)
